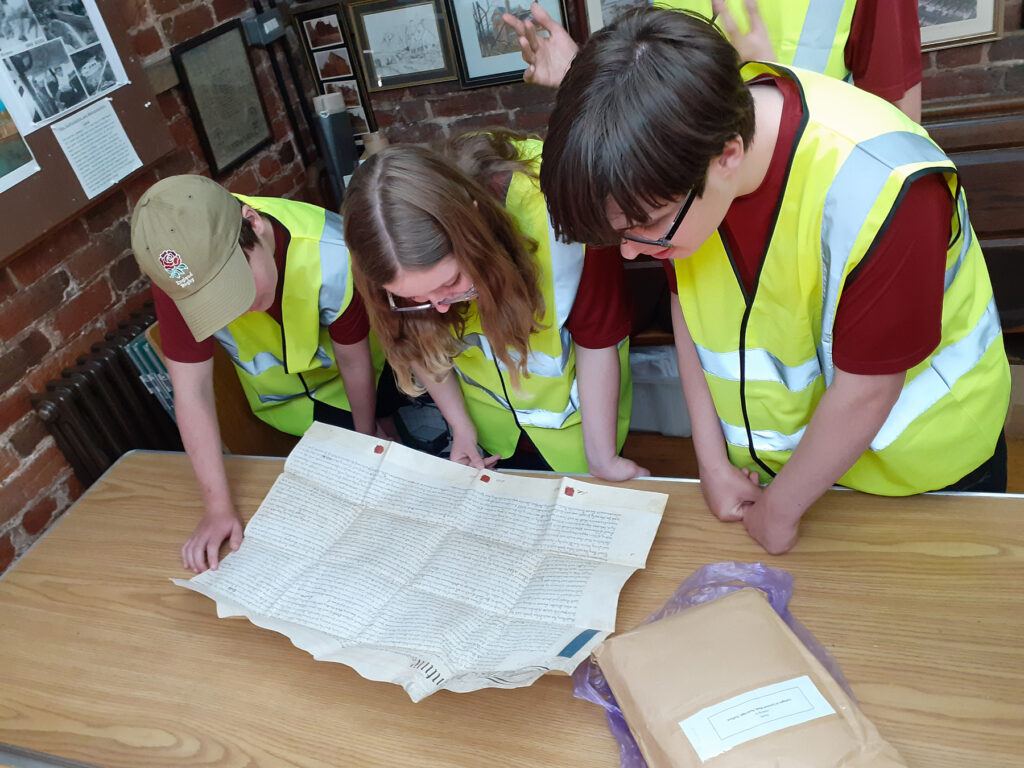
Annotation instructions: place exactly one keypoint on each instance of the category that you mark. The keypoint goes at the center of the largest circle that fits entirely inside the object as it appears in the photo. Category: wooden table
(103, 660)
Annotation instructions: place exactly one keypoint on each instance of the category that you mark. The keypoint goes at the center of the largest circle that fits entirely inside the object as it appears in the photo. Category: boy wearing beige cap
(270, 280)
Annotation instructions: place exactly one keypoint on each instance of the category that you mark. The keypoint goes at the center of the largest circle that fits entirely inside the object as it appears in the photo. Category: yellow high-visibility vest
(767, 357)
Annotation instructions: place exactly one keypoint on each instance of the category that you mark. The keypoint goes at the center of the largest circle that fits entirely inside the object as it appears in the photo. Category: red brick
(474, 122)
(38, 517)
(73, 486)
(183, 133)
(7, 285)
(244, 183)
(516, 95)
(1012, 15)
(281, 128)
(8, 462)
(27, 436)
(227, 9)
(269, 166)
(1010, 48)
(7, 553)
(13, 406)
(147, 41)
(177, 162)
(102, 215)
(83, 309)
(421, 133)
(134, 14)
(1014, 82)
(187, 24)
(465, 103)
(14, 363)
(34, 476)
(532, 120)
(286, 155)
(125, 273)
(961, 56)
(31, 303)
(170, 104)
(48, 253)
(166, 6)
(63, 357)
(962, 83)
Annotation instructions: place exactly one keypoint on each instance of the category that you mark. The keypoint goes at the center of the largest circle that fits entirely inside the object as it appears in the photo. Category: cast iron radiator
(99, 409)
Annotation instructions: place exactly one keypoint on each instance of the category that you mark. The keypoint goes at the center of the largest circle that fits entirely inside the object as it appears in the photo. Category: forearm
(447, 395)
(357, 374)
(708, 440)
(910, 103)
(847, 418)
(200, 433)
(598, 378)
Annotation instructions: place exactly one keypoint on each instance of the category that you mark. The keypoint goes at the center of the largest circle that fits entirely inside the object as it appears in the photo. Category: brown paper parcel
(730, 671)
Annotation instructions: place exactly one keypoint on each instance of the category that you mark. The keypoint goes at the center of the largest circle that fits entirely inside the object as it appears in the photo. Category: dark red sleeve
(601, 315)
(352, 325)
(176, 340)
(670, 274)
(890, 313)
(883, 51)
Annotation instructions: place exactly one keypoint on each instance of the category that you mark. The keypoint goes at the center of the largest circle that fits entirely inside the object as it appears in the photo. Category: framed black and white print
(486, 47)
(222, 94)
(403, 42)
(948, 23)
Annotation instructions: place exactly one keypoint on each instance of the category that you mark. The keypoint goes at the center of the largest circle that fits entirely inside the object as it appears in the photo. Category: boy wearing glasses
(835, 320)
(270, 280)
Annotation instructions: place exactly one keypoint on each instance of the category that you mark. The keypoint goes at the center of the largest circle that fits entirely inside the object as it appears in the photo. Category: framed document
(223, 96)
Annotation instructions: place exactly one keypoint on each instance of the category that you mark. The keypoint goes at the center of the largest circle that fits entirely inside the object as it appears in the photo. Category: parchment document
(418, 571)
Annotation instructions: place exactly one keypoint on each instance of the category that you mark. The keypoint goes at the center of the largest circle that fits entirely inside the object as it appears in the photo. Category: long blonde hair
(406, 209)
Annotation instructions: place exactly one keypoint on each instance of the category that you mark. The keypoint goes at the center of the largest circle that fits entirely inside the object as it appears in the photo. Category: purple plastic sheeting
(702, 586)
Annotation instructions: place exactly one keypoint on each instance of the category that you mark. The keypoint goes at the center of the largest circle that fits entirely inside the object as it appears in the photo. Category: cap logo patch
(177, 270)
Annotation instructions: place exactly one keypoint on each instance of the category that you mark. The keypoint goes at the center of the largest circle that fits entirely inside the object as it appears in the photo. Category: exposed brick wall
(431, 113)
(984, 69)
(61, 295)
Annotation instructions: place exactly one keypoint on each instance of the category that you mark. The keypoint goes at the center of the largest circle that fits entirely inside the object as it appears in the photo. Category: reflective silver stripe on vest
(333, 268)
(764, 439)
(262, 361)
(850, 199)
(818, 34)
(566, 271)
(538, 364)
(761, 365)
(932, 384)
(965, 245)
(533, 417)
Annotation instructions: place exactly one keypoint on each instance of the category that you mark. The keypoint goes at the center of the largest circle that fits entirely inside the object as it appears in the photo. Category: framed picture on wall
(948, 23)
(486, 47)
(334, 61)
(220, 88)
(403, 42)
(597, 13)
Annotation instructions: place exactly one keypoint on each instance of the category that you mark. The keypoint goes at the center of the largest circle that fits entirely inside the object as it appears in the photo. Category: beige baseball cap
(185, 237)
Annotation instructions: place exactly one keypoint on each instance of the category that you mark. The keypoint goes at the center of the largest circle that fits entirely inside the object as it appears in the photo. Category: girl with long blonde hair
(520, 341)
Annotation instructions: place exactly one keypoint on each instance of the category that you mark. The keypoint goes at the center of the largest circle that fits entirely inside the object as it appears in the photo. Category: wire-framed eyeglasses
(666, 241)
(465, 296)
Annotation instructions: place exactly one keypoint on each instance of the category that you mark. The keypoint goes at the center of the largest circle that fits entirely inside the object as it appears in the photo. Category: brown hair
(644, 108)
(408, 207)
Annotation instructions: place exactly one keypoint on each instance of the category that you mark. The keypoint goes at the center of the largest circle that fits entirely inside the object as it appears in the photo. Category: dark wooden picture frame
(946, 24)
(403, 42)
(486, 48)
(327, 40)
(230, 116)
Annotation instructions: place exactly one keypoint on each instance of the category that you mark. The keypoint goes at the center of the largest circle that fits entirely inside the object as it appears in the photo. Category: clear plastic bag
(702, 586)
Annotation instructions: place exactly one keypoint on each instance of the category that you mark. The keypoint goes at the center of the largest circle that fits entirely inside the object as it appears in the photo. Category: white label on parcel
(720, 727)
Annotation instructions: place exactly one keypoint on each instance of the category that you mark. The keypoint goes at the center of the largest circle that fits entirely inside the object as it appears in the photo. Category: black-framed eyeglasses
(666, 241)
(465, 296)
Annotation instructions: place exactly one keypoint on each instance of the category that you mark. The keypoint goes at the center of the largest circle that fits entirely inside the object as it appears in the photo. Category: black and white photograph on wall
(46, 77)
(486, 47)
(323, 31)
(94, 69)
(332, 62)
(600, 13)
(19, 27)
(948, 23)
(16, 160)
(404, 42)
(71, 31)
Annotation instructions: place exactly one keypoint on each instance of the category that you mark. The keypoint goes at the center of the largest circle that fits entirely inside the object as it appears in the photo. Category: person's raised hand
(753, 46)
(547, 57)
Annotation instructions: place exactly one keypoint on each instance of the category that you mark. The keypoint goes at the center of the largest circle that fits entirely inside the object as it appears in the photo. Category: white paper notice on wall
(727, 724)
(97, 147)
